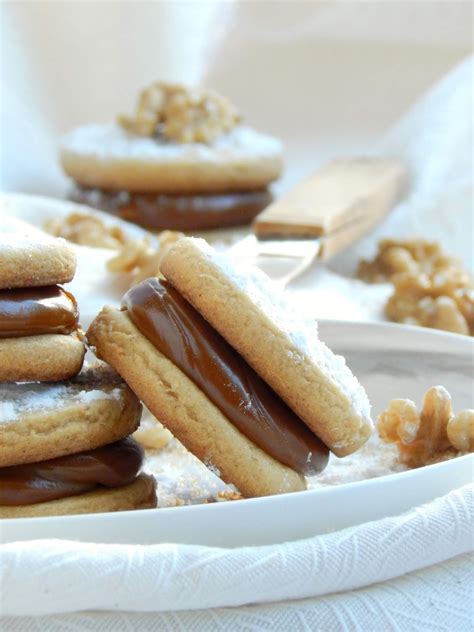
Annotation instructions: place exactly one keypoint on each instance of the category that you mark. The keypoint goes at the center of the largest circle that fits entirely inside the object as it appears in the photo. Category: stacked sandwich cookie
(64, 432)
(240, 380)
(183, 161)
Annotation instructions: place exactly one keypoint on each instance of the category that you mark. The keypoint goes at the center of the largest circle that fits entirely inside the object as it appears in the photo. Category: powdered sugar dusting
(18, 400)
(301, 331)
(96, 395)
(106, 142)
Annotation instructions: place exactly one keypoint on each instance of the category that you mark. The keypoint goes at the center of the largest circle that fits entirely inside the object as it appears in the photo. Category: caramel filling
(37, 311)
(180, 333)
(180, 212)
(113, 465)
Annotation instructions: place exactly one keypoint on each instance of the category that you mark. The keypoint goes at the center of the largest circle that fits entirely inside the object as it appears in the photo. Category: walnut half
(430, 288)
(430, 435)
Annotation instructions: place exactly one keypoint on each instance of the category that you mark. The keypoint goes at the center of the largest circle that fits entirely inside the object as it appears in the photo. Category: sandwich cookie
(184, 161)
(283, 347)
(205, 393)
(65, 448)
(39, 319)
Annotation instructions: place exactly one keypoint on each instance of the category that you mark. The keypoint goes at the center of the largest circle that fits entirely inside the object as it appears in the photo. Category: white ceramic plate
(391, 361)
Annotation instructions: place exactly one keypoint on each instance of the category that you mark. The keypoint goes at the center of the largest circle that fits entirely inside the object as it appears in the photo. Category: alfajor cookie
(243, 305)
(65, 448)
(197, 377)
(39, 319)
(182, 161)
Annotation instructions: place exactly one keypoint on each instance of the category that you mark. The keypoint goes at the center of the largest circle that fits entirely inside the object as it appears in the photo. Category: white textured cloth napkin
(394, 606)
(44, 577)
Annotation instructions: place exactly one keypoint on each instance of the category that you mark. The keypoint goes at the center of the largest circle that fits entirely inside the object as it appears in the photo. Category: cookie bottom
(141, 494)
(156, 211)
(47, 358)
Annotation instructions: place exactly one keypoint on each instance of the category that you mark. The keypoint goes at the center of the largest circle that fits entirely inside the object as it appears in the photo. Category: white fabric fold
(435, 598)
(54, 576)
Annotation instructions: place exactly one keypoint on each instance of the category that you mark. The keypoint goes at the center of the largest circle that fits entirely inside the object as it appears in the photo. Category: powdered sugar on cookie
(17, 400)
(112, 142)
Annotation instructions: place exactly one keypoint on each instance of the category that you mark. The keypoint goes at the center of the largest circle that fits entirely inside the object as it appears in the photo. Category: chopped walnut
(140, 259)
(178, 113)
(430, 288)
(430, 435)
(153, 436)
(86, 230)
(228, 495)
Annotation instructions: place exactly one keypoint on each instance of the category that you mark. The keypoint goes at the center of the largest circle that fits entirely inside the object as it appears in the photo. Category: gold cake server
(322, 215)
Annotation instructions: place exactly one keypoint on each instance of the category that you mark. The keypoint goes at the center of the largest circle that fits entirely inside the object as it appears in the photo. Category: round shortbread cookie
(182, 407)
(245, 308)
(30, 258)
(45, 421)
(141, 494)
(47, 358)
(108, 157)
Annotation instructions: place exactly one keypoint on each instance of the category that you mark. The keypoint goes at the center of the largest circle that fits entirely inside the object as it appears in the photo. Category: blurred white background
(328, 77)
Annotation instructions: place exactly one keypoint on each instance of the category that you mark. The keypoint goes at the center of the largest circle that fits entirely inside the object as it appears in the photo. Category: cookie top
(281, 345)
(31, 258)
(109, 157)
(40, 421)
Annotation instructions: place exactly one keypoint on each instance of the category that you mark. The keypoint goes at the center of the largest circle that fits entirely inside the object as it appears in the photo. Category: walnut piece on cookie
(431, 289)
(181, 114)
(429, 435)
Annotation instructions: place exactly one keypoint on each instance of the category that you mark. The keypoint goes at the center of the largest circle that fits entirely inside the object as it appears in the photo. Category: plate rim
(411, 331)
(263, 500)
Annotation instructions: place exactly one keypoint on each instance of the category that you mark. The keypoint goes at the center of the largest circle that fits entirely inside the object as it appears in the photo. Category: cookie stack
(39, 320)
(64, 432)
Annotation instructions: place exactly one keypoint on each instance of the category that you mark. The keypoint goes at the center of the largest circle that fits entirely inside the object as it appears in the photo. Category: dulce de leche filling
(113, 465)
(180, 333)
(37, 311)
(180, 212)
